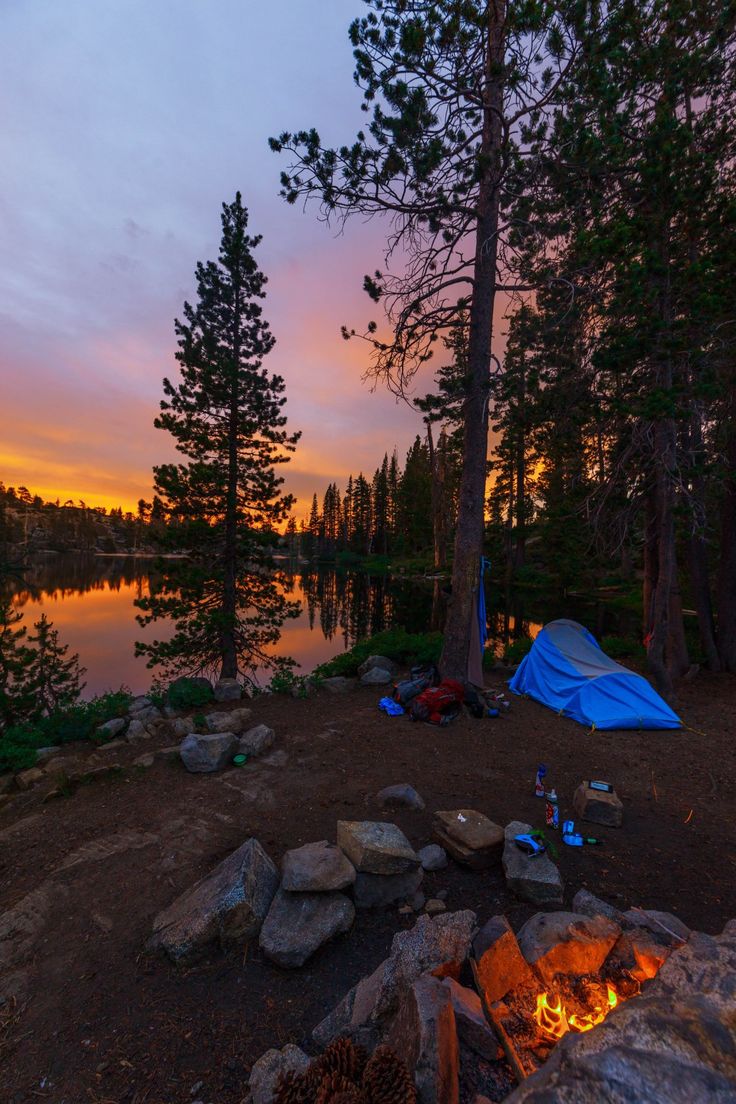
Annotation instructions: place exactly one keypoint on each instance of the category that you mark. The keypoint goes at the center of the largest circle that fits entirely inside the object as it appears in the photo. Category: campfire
(555, 1021)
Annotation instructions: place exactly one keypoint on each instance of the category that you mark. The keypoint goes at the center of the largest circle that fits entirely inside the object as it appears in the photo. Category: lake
(90, 601)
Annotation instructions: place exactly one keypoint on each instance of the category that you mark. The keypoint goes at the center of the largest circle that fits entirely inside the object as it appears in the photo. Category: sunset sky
(125, 125)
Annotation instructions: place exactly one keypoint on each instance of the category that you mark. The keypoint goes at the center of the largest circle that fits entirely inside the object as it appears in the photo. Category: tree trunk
(228, 646)
(469, 532)
(726, 599)
(699, 575)
(436, 467)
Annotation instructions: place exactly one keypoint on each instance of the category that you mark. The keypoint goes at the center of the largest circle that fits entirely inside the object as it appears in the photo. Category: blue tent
(567, 671)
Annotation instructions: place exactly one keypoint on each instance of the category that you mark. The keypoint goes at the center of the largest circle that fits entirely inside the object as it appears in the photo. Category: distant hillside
(28, 525)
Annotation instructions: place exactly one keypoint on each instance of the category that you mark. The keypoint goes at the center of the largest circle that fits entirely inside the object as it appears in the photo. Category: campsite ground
(96, 1019)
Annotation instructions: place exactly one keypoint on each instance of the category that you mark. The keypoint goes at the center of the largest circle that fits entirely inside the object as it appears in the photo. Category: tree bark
(726, 583)
(698, 549)
(469, 532)
(436, 466)
(228, 646)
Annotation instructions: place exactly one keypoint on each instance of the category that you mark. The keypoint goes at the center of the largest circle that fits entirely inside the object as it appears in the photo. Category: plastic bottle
(539, 784)
(552, 812)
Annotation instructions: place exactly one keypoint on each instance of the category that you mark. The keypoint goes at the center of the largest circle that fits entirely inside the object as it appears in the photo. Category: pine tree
(16, 700)
(226, 417)
(53, 679)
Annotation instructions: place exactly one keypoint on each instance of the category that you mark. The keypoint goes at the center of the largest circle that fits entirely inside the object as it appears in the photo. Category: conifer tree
(16, 701)
(226, 417)
(54, 679)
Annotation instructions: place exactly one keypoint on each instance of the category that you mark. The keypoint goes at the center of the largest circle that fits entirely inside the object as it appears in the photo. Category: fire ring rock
(566, 943)
(299, 923)
(228, 905)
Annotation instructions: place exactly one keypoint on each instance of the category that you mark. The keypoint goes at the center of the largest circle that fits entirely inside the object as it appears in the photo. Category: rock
(111, 745)
(339, 685)
(169, 754)
(598, 807)
(182, 726)
(469, 837)
(378, 890)
(316, 867)
(705, 965)
(43, 754)
(376, 677)
(7, 782)
(663, 923)
(228, 905)
(500, 965)
(432, 857)
(439, 944)
(472, 1026)
(148, 715)
(402, 796)
(534, 879)
(418, 901)
(375, 847)
(270, 1067)
(377, 662)
(590, 905)
(298, 924)
(233, 721)
(425, 1035)
(110, 729)
(141, 702)
(434, 906)
(144, 761)
(137, 731)
(30, 777)
(228, 689)
(566, 943)
(203, 754)
(256, 740)
(650, 1050)
(639, 952)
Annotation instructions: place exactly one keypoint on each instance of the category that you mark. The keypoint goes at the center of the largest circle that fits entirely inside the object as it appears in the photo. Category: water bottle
(552, 810)
(539, 784)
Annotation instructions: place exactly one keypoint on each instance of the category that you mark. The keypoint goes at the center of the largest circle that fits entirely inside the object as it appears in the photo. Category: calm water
(90, 601)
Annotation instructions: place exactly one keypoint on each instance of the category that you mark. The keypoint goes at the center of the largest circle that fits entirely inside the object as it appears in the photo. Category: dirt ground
(91, 1018)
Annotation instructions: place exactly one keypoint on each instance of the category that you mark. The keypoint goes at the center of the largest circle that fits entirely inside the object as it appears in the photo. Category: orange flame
(554, 1020)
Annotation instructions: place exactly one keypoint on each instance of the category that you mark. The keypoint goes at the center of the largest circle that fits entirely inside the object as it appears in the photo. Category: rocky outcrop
(228, 905)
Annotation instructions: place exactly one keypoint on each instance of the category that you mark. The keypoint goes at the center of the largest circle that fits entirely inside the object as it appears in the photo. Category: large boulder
(110, 729)
(377, 676)
(227, 906)
(338, 684)
(228, 689)
(203, 754)
(566, 943)
(378, 662)
(376, 847)
(272, 1065)
(316, 868)
(532, 878)
(469, 837)
(379, 890)
(298, 924)
(401, 796)
(256, 740)
(425, 1034)
(234, 720)
(437, 944)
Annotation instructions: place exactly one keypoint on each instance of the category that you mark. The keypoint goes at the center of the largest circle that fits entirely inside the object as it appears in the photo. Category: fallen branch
(508, 1047)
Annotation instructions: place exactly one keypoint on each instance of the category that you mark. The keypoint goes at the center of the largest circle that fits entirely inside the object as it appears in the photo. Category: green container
(240, 760)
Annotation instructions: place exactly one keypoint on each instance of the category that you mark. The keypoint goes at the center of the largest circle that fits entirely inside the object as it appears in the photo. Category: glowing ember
(554, 1021)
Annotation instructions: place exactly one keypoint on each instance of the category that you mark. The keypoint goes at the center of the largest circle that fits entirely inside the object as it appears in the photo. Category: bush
(515, 650)
(286, 682)
(187, 693)
(622, 647)
(79, 722)
(397, 644)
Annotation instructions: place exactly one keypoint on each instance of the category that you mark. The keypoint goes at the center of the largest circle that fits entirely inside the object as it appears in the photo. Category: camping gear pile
(424, 696)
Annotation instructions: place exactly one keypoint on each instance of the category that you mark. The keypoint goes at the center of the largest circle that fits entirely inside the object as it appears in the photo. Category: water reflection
(90, 600)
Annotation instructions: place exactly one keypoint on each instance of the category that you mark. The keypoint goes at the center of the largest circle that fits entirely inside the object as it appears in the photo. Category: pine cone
(296, 1088)
(387, 1080)
(334, 1084)
(345, 1057)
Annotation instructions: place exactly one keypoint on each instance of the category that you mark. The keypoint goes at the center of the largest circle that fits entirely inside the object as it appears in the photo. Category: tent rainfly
(567, 671)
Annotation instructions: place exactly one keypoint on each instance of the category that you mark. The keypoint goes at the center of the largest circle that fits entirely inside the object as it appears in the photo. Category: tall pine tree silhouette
(226, 417)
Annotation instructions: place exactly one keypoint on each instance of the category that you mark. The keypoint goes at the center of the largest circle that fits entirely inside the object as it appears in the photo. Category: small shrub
(286, 682)
(403, 647)
(78, 722)
(185, 693)
(200, 722)
(515, 650)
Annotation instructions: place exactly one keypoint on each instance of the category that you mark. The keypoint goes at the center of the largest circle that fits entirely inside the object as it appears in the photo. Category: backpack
(438, 704)
(408, 689)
